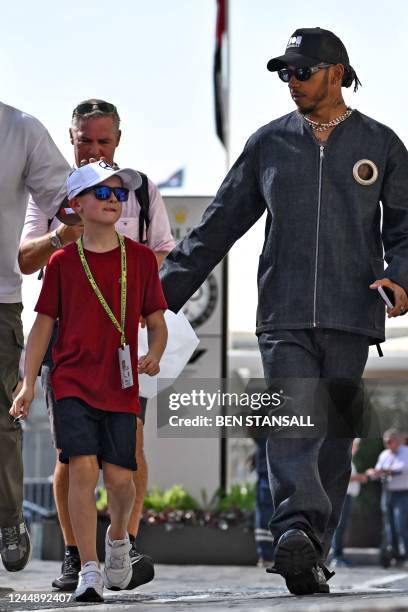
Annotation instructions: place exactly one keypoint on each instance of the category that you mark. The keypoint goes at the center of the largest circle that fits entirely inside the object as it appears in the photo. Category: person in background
(356, 480)
(263, 507)
(392, 469)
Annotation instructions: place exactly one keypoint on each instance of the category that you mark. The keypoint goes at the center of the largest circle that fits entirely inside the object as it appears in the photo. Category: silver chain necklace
(322, 127)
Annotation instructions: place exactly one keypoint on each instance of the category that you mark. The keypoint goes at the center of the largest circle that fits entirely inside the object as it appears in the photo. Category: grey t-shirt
(29, 162)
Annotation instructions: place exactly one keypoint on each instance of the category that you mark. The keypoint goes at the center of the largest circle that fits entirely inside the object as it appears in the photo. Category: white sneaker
(90, 583)
(118, 568)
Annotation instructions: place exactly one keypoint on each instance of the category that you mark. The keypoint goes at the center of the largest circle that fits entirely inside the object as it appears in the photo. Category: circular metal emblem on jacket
(365, 172)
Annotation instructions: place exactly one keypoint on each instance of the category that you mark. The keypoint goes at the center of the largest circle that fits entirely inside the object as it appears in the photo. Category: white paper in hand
(181, 344)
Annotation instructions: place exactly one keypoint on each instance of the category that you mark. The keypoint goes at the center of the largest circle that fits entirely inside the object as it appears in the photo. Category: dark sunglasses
(103, 192)
(88, 107)
(301, 74)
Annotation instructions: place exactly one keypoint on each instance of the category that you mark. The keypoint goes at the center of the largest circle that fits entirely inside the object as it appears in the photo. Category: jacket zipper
(319, 201)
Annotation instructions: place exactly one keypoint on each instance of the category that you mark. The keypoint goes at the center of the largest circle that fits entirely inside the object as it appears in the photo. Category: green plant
(240, 497)
(176, 508)
(175, 498)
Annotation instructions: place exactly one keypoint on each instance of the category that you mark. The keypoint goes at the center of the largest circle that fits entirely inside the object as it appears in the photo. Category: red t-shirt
(86, 352)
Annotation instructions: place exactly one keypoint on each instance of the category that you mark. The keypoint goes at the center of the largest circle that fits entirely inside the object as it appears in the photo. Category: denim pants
(309, 476)
(394, 506)
(338, 539)
(263, 507)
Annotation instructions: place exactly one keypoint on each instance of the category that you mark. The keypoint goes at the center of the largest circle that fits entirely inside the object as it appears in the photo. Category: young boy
(98, 288)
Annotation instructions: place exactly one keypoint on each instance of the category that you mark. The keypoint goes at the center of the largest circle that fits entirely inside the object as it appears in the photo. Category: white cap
(97, 172)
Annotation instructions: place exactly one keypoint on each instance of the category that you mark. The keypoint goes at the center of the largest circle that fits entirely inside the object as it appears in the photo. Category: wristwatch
(55, 240)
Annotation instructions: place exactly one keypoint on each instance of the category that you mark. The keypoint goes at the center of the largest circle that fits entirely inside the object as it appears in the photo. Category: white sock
(125, 539)
(91, 564)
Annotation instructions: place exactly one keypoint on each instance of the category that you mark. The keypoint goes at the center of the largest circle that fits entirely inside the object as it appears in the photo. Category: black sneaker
(386, 556)
(71, 566)
(296, 559)
(15, 547)
(142, 567)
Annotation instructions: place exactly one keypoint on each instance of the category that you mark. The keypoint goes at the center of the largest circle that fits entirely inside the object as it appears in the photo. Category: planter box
(364, 529)
(199, 545)
(194, 545)
(51, 543)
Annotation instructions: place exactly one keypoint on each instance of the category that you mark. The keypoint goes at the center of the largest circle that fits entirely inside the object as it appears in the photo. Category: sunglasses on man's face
(301, 74)
(103, 192)
(89, 107)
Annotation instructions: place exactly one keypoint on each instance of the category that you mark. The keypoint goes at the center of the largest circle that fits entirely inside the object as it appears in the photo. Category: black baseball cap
(310, 46)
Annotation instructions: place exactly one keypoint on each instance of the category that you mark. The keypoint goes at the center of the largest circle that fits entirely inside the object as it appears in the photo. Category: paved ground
(213, 588)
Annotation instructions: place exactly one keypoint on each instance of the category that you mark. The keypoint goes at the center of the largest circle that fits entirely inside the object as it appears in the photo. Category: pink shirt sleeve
(49, 300)
(153, 298)
(159, 237)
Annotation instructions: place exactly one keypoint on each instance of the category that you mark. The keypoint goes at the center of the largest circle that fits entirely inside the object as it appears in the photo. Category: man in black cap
(325, 174)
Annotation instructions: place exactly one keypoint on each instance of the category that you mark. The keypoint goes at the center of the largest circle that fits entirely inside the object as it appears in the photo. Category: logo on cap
(294, 41)
(103, 164)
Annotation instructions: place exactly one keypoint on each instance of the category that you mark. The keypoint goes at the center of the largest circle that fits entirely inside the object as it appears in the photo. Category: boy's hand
(21, 404)
(148, 364)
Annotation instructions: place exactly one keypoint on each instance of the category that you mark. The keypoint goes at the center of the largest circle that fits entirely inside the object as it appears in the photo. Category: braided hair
(350, 77)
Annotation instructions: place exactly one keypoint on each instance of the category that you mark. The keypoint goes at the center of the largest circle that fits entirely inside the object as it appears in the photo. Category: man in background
(392, 469)
(353, 490)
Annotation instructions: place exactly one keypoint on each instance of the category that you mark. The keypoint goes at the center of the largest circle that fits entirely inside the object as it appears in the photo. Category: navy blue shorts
(84, 430)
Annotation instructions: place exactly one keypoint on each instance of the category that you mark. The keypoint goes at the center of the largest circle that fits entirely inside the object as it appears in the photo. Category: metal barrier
(39, 499)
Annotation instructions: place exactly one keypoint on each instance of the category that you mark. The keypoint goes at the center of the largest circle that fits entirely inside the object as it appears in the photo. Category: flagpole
(228, 86)
(224, 348)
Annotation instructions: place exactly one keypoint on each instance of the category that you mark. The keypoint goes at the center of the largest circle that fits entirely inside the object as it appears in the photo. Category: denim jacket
(326, 234)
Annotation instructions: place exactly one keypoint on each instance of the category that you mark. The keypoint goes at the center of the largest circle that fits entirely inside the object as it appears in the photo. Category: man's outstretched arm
(237, 205)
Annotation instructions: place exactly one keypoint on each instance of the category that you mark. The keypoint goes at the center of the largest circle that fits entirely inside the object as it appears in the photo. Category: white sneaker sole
(114, 585)
(90, 594)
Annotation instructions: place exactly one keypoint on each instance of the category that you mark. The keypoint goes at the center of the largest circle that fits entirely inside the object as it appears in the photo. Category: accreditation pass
(125, 366)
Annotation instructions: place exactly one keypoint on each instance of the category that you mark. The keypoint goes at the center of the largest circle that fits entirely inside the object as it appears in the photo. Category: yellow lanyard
(105, 305)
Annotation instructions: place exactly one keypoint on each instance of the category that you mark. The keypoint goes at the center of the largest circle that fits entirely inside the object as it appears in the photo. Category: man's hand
(373, 473)
(21, 404)
(148, 364)
(91, 160)
(400, 297)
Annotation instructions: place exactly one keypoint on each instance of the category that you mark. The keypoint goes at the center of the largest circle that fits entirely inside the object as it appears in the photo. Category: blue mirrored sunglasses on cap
(104, 192)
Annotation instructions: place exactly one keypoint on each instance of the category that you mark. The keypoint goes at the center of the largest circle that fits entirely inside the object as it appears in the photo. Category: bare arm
(37, 343)
(160, 257)
(359, 478)
(157, 340)
(35, 253)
